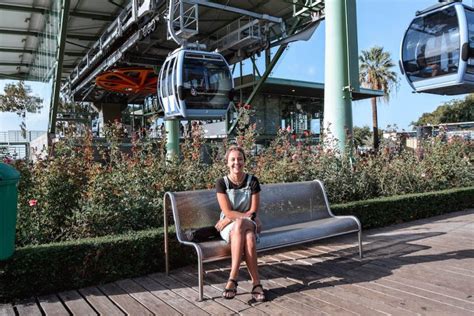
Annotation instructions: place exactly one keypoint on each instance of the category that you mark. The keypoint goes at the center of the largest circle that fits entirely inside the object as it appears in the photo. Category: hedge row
(37, 270)
(42, 269)
(403, 208)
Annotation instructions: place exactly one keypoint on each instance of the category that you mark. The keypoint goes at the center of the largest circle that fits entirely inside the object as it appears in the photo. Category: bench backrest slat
(281, 204)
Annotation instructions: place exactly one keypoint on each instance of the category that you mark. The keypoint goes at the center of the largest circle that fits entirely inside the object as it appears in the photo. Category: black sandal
(258, 296)
(229, 294)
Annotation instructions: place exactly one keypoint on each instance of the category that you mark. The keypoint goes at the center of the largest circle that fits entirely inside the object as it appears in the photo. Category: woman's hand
(222, 223)
(259, 225)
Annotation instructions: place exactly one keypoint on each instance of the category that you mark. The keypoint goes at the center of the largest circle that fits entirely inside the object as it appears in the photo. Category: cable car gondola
(437, 53)
(195, 85)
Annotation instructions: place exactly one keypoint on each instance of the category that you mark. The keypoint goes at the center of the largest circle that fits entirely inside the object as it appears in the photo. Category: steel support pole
(59, 67)
(339, 58)
(172, 139)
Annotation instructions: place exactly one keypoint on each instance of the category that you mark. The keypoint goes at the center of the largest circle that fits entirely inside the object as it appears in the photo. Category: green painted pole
(338, 68)
(172, 139)
(59, 67)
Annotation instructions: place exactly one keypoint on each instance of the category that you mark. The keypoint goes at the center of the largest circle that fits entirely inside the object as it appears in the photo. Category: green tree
(17, 98)
(453, 111)
(376, 73)
(361, 136)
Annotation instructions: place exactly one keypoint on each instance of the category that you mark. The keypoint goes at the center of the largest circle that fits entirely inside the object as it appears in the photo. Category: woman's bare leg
(237, 241)
(250, 251)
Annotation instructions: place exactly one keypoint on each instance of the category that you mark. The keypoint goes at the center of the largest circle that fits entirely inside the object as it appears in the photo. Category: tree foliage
(362, 136)
(17, 98)
(453, 111)
(376, 73)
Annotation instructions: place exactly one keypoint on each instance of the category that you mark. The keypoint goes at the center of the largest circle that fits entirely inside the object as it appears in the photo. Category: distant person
(163, 130)
(430, 69)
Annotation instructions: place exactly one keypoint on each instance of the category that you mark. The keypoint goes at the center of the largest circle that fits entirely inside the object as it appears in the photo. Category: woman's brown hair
(234, 148)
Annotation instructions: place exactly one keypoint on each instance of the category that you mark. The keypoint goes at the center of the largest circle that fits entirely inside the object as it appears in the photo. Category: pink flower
(33, 202)
(288, 129)
(7, 160)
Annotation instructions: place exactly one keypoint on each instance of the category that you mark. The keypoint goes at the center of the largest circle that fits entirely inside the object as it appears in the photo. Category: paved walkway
(421, 267)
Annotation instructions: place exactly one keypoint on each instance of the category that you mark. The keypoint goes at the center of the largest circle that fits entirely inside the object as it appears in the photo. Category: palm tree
(375, 73)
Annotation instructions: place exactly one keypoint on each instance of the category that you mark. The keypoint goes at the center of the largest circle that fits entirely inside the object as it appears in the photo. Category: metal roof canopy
(23, 27)
(298, 88)
(133, 40)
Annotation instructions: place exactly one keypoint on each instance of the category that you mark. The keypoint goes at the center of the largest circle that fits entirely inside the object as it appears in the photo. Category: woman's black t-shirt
(254, 185)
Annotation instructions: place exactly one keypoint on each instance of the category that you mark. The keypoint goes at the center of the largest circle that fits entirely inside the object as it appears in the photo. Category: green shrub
(78, 197)
(41, 269)
(398, 209)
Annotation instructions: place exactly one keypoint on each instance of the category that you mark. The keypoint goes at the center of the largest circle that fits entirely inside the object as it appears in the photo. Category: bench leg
(201, 278)
(360, 243)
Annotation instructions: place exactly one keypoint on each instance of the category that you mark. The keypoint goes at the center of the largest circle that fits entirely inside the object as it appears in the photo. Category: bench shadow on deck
(423, 267)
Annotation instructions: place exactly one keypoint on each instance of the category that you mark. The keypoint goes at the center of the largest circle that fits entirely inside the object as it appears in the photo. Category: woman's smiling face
(236, 162)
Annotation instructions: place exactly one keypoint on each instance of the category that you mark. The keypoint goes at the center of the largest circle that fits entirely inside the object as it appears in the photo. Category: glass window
(169, 77)
(163, 88)
(206, 83)
(470, 34)
(431, 46)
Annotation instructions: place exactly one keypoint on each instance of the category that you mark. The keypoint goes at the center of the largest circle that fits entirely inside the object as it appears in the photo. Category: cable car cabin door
(168, 91)
(435, 52)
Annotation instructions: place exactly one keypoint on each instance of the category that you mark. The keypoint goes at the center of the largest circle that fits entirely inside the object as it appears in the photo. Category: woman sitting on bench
(238, 196)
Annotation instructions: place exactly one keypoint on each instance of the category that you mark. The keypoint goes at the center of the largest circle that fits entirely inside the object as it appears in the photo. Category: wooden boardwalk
(422, 267)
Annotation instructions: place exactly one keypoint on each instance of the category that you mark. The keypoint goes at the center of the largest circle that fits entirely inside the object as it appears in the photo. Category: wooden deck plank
(28, 307)
(451, 281)
(269, 284)
(420, 281)
(151, 302)
(6, 310)
(324, 303)
(312, 298)
(219, 278)
(380, 279)
(340, 288)
(351, 286)
(52, 305)
(214, 289)
(412, 301)
(325, 286)
(76, 303)
(236, 304)
(170, 297)
(124, 300)
(417, 280)
(101, 303)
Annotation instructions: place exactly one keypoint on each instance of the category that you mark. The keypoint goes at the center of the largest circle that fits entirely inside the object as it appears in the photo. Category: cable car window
(206, 82)
(470, 30)
(163, 86)
(169, 77)
(432, 46)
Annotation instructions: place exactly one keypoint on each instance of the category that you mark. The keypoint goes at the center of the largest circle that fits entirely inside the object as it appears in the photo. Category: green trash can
(9, 178)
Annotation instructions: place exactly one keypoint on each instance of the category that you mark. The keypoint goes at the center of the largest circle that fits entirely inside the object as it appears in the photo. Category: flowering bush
(71, 195)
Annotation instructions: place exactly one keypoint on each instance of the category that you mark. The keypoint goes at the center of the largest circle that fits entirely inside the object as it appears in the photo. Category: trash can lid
(8, 173)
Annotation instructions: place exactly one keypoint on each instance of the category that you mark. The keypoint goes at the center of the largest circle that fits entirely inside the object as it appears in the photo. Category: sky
(380, 22)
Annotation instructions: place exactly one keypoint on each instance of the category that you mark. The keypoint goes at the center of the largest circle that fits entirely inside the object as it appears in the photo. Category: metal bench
(291, 214)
